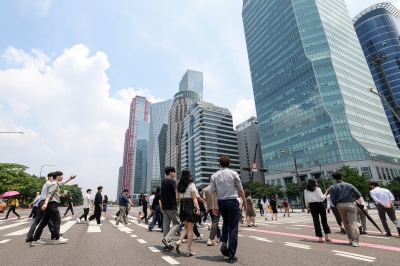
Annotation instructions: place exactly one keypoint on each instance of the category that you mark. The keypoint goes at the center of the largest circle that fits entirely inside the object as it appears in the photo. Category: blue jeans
(230, 214)
(155, 218)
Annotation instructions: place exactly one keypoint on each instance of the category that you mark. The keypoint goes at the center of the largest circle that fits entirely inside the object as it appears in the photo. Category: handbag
(270, 207)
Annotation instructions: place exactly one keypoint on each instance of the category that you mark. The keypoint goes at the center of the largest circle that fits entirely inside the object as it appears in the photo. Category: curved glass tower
(376, 26)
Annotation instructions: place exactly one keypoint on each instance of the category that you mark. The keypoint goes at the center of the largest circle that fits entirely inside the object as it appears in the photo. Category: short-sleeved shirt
(155, 201)
(188, 193)
(151, 198)
(85, 201)
(285, 204)
(168, 194)
(227, 183)
(123, 200)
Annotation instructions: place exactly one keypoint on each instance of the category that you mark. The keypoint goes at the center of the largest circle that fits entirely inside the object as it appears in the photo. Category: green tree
(394, 187)
(259, 190)
(73, 190)
(352, 176)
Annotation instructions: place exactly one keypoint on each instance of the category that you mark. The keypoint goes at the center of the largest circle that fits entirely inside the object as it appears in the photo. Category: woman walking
(105, 203)
(250, 211)
(189, 210)
(265, 205)
(272, 203)
(13, 204)
(144, 204)
(314, 202)
(156, 207)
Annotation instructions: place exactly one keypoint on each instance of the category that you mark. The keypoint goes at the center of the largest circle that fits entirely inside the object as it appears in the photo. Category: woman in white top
(314, 203)
(189, 210)
(265, 204)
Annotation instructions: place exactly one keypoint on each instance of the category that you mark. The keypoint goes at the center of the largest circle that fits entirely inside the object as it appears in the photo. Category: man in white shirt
(35, 204)
(384, 203)
(86, 203)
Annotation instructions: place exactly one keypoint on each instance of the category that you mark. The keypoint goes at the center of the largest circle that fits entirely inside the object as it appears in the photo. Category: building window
(383, 173)
(272, 182)
(366, 171)
(379, 173)
(388, 174)
(279, 182)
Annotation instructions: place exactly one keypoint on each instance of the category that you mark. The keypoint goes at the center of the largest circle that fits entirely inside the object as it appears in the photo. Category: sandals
(328, 239)
(189, 253)
(178, 248)
(321, 240)
(254, 225)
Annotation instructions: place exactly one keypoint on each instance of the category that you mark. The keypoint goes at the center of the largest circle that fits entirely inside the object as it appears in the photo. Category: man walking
(227, 183)
(98, 203)
(384, 203)
(215, 231)
(342, 196)
(86, 204)
(123, 205)
(169, 207)
(286, 207)
(51, 212)
(70, 206)
(35, 204)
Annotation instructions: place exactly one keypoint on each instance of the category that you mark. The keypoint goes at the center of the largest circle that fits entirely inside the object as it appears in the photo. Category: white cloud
(67, 114)
(244, 109)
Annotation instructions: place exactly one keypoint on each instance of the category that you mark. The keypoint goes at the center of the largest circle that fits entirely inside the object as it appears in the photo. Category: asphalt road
(288, 241)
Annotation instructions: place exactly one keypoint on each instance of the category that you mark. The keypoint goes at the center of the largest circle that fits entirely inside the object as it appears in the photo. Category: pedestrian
(260, 207)
(314, 202)
(98, 202)
(151, 199)
(140, 209)
(156, 208)
(203, 210)
(87, 202)
(189, 210)
(70, 206)
(215, 231)
(342, 196)
(250, 211)
(361, 218)
(14, 203)
(105, 204)
(286, 206)
(35, 204)
(123, 205)
(226, 183)
(144, 205)
(330, 207)
(50, 178)
(128, 208)
(169, 207)
(274, 210)
(51, 212)
(384, 203)
(265, 205)
(242, 216)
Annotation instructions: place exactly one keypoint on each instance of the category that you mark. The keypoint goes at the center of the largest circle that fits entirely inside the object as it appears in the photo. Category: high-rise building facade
(134, 168)
(378, 29)
(119, 187)
(248, 137)
(192, 81)
(311, 88)
(207, 135)
(175, 127)
(156, 154)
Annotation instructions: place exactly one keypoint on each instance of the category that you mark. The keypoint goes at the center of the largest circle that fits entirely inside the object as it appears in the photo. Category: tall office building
(207, 135)
(119, 187)
(175, 127)
(311, 88)
(156, 155)
(248, 136)
(192, 81)
(376, 26)
(134, 168)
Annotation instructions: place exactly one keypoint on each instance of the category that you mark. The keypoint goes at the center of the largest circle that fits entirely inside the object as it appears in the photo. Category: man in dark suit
(98, 203)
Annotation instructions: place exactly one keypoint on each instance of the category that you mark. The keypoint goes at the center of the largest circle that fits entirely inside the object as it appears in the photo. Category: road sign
(254, 167)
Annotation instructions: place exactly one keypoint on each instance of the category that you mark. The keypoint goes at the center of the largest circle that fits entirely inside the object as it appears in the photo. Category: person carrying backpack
(13, 204)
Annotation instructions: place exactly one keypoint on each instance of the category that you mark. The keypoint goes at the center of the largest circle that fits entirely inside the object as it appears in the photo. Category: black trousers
(33, 212)
(85, 214)
(12, 208)
(317, 209)
(96, 214)
(144, 214)
(51, 213)
(36, 222)
(69, 208)
(337, 215)
(261, 210)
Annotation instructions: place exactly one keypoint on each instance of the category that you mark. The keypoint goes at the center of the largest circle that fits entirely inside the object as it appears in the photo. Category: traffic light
(263, 170)
(246, 168)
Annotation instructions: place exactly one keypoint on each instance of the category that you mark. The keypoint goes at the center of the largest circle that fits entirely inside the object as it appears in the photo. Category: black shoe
(150, 228)
(363, 233)
(398, 230)
(388, 234)
(224, 249)
(360, 230)
(232, 259)
(168, 244)
(342, 231)
(29, 239)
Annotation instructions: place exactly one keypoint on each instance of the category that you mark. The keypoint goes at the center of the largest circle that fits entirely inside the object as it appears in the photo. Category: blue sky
(68, 70)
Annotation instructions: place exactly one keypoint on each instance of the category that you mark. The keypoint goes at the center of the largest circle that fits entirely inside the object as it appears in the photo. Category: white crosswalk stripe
(93, 227)
(295, 245)
(354, 256)
(4, 241)
(19, 232)
(170, 260)
(12, 225)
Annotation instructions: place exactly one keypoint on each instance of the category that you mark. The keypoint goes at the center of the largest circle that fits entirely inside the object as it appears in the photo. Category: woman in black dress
(189, 210)
(272, 203)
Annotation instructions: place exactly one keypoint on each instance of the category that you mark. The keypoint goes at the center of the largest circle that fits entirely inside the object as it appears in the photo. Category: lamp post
(297, 175)
(42, 168)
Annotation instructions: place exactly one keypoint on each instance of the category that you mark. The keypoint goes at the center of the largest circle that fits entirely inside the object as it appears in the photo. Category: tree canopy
(352, 176)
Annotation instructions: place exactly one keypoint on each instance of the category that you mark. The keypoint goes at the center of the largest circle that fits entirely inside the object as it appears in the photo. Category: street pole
(322, 176)
(42, 168)
(255, 155)
(298, 181)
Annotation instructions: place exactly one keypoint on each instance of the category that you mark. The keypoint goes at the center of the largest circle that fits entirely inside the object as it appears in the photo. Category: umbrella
(369, 217)
(9, 194)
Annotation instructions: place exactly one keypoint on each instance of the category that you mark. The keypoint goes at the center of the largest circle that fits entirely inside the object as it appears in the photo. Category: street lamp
(297, 175)
(42, 168)
(13, 132)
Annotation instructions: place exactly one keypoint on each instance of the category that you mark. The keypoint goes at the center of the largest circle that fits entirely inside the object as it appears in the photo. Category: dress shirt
(54, 192)
(227, 183)
(313, 196)
(342, 192)
(381, 195)
(151, 198)
(207, 193)
(123, 200)
(361, 201)
(45, 188)
(36, 201)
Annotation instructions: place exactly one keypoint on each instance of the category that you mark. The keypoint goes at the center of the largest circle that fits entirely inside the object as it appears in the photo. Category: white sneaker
(100, 224)
(199, 237)
(61, 240)
(184, 241)
(116, 226)
(38, 243)
(87, 222)
(79, 221)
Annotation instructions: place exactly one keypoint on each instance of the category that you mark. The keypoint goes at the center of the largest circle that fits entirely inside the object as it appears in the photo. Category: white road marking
(4, 241)
(295, 245)
(64, 228)
(141, 241)
(261, 239)
(122, 227)
(133, 235)
(354, 256)
(240, 235)
(170, 260)
(154, 249)
(12, 225)
(67, 218)
(19, 233)
(93, 227)
(381, 237)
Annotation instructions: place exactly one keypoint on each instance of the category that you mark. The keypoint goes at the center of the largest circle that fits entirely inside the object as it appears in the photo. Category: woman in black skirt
(189, 210)
(272, 203)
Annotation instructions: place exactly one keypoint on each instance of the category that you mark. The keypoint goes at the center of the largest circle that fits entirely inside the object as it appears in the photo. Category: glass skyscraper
(192, 81)
(375, 26)
(156, 155)
(311, 87)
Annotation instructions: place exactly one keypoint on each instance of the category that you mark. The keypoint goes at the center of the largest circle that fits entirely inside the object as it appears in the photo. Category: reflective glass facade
(192, 81)
(311, 85)
(156, 155)
(374, 26)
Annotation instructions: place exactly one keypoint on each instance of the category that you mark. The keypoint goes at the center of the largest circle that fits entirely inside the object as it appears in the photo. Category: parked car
(2, 206)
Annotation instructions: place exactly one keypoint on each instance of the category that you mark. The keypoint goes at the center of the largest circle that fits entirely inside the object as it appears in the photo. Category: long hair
(185, 181)
(265, 199)
(248, 193)
(311, 185)
(158, 190)
(105, 197)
